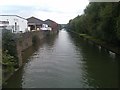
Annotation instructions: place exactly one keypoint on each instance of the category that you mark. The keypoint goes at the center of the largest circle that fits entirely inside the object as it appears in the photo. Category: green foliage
(9, 43)
(8, 61)
(100, 20)
(118, 28)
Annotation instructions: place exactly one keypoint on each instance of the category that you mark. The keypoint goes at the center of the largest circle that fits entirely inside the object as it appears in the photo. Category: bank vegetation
(100, 21)
(9, 54)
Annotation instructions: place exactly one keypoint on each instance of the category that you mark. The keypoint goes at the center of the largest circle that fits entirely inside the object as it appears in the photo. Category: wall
(25, 40)
(21, 22)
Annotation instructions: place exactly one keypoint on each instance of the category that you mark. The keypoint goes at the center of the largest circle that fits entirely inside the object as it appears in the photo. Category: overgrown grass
(109, 46)
(92, 38)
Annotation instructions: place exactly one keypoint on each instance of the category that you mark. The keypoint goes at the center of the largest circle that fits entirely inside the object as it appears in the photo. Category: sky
(60, 11)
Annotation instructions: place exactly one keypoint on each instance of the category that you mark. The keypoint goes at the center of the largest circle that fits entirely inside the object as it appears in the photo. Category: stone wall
(25, 40)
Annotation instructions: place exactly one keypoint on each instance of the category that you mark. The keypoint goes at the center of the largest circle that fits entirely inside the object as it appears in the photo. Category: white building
(46, 27)
(14, 23)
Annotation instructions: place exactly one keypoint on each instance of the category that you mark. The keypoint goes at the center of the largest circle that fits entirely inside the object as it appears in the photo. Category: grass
(96, 40)
(109, 46)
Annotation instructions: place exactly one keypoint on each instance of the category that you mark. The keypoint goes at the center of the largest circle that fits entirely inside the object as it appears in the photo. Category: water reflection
(66, 61)
(102, 70)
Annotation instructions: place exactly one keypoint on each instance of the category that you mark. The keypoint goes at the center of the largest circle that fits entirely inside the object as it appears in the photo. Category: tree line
(100, 20)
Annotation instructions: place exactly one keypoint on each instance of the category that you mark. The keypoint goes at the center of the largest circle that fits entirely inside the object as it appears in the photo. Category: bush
(9, 47)
(8, 61)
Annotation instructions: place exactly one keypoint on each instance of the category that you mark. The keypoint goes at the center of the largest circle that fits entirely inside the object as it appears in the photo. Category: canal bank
(65, 61)
(110, 47)
(23, 42)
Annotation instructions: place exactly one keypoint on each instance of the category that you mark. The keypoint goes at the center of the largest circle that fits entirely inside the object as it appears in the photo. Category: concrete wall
(25, 40)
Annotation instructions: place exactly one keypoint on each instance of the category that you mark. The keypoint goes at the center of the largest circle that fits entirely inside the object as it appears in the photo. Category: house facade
(34, 24)
(52, 24)
(37, 24)
(14, 23)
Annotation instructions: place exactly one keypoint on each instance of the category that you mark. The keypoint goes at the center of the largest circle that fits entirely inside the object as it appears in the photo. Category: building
(14, 23)
(52, 24)
(45, 27)
(37, 24)
(34, 23)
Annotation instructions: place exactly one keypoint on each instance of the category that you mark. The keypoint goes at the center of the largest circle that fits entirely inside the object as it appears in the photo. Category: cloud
(104, 0)
(59, 10)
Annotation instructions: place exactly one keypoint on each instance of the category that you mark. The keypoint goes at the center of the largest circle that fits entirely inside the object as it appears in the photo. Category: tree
(100, 20)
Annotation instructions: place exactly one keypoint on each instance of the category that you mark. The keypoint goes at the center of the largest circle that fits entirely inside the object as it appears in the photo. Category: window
(15, 26)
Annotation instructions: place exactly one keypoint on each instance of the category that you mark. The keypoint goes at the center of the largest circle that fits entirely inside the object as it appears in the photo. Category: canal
(66, 61)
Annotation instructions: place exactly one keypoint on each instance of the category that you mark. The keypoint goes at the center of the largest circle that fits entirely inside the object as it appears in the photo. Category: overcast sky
(60, 11)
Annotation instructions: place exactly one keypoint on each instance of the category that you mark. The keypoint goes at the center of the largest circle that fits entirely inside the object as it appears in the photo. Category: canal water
(66, 61)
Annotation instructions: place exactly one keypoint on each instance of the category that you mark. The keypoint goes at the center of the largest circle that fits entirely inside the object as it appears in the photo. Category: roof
(35, 20)
(14, 15)
(49, 22)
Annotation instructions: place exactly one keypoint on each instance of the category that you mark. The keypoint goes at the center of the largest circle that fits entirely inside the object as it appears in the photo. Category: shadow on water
(101, 68)
(16, 80)
(74, 62)
(49, 40)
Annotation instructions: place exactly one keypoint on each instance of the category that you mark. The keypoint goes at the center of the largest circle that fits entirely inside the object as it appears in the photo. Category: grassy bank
(8, 66)
(9, 55)
(109, 46)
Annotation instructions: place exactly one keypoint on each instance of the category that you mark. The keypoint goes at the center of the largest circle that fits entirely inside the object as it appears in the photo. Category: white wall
(21, 23)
